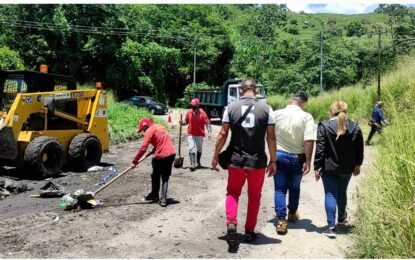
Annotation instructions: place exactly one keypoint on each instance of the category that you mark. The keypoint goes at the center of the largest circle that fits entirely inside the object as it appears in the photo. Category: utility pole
(194, 61)
(321, 61)
(379, 50)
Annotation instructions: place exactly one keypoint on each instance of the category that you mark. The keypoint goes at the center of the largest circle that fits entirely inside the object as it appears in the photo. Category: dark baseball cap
(301, 95)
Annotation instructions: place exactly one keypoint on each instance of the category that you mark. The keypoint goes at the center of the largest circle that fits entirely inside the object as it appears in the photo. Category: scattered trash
(61, 204)
(56, 219)
(51, 189)
(69, 202)
(78, 192)
(34, 195)
(96, 169)
(112, 172)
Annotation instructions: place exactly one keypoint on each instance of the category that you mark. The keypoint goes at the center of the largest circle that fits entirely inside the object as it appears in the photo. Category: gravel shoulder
(192, 226)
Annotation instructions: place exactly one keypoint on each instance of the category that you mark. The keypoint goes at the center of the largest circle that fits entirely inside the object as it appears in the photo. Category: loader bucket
(8, 147)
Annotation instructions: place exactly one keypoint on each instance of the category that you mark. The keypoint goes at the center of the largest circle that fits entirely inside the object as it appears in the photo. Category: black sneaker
(250, 236)
(342, 221)
(151, 197)
(330, 233)
(232, 238)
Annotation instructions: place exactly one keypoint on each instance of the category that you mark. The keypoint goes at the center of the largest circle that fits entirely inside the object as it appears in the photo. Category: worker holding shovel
(162, 163)
(196, 118)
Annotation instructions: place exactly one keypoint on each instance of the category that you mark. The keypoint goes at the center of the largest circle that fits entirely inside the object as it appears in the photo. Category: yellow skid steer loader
(46, 122)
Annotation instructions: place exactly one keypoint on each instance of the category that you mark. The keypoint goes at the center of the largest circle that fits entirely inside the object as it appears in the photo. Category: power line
(116, 31)
(86, 29)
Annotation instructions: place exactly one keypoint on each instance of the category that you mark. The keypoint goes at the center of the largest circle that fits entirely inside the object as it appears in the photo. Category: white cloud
(297, 7)
(347, 8)
(339, 8)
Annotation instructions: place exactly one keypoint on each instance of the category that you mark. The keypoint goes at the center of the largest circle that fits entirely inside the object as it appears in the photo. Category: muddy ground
(191, 226)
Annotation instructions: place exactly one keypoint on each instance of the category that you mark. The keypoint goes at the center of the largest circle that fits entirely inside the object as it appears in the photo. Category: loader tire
(45, 155)
(85, 151)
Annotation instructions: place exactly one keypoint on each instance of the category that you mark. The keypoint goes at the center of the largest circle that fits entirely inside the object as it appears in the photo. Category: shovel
(178, 162)
(86, 197)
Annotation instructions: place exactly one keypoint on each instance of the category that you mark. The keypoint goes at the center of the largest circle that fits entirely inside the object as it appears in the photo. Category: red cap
(145, 121)
(194, 102)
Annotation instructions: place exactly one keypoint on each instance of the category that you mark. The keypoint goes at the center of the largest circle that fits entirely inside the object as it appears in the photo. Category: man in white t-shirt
(296, 134)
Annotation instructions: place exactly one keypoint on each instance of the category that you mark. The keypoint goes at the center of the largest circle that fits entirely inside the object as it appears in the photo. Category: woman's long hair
(339, 109)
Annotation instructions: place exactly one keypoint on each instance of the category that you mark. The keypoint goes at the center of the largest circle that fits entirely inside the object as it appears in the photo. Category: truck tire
(45, 155)
(85, 151)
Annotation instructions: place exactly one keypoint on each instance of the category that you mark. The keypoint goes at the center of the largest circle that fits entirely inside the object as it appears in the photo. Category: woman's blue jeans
(288, 178)
(335, 189)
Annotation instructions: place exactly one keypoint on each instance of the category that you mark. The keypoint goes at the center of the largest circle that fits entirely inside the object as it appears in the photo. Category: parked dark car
(150, 103)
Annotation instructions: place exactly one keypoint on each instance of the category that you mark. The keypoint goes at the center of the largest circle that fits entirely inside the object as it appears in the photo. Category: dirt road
(192, 226)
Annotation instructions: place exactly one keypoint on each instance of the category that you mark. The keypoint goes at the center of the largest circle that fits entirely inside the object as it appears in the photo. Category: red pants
(236, 181)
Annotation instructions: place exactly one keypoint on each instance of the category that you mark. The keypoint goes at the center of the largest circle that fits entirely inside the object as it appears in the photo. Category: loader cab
(14, 82)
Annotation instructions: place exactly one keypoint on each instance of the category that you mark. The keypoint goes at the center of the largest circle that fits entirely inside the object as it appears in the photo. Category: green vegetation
(277, 101)
(123, 119)
(188, 93)
(360, 101)
(386, 212)
(10, 60)
(149, 49)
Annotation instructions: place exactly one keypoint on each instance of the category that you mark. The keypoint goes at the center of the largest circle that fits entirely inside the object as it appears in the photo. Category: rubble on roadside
(9, 187)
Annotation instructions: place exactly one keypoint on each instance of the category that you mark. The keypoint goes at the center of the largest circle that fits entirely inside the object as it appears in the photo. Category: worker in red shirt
(162, 162)
(196, 118)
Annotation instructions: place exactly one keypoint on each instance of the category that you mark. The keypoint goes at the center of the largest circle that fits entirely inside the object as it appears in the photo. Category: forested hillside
(149, 49)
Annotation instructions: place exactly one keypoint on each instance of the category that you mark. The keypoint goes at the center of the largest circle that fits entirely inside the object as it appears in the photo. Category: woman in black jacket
(339, 154)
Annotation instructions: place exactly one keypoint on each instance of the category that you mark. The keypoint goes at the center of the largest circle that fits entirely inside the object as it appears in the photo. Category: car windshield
(150, 99)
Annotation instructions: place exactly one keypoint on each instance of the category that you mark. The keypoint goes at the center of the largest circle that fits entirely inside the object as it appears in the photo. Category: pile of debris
(9, 187)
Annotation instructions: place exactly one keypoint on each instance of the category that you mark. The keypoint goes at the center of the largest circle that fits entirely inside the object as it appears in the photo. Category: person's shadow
(260, 240)
(345, 229)
(308, 226)
(170, 201)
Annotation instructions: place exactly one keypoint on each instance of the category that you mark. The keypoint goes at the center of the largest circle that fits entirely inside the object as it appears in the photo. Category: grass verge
(123, 119)
(385, 225)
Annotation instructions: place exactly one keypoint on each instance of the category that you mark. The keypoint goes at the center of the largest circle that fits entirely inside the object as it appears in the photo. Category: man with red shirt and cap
(197, 119)
(162, 162)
